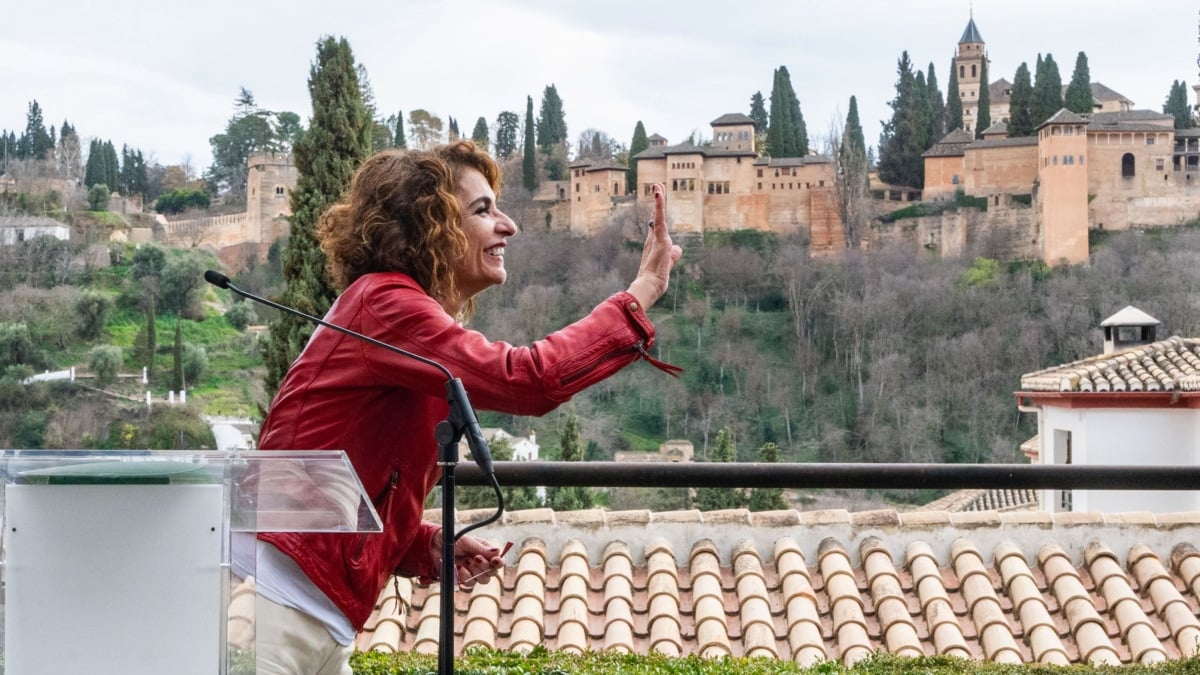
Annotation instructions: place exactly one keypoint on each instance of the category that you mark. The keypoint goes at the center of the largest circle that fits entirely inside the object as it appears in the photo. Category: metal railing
(836, 476)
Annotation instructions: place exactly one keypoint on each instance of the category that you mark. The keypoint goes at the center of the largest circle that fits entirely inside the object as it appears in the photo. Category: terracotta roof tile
(811, 587)
(1167, 365)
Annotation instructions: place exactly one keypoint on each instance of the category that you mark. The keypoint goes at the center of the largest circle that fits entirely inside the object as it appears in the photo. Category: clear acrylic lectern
(119, 562)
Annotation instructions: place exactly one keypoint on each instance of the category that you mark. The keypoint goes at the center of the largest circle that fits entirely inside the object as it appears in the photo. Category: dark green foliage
(937, 107)
(133, 175)
(112, 166)
(250, 130)
(787, 135)
(148, 261)
(105, 362)
(398, 139)
(452, 130)
(920, 209)
(1177, 106)
(1078, 98)
(529, 175)
(92, 309)
(97, 197)
(96, 171)
(1047, 91)
(480, 134)
(180, 200)
(639, 143)
(551, 121)
(905, 136)
(182, 281)
(954, 110)
(508, 124)
(983, 118)
(758, 113)
(17, 347)
(36, 143)
(570, 498)
(240, 315)
(195, 362)
(1020, 118)
(767, 499)
(854, 144)
(177, 359)
(717, 498)
(337, 140)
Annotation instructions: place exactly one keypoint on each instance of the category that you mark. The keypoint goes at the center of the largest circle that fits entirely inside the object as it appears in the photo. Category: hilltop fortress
(1033, 197)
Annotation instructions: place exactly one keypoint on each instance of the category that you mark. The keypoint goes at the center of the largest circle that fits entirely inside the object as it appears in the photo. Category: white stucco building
(1136, 404)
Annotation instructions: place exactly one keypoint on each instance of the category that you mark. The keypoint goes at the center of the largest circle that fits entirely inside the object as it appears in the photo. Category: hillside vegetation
(884, 356)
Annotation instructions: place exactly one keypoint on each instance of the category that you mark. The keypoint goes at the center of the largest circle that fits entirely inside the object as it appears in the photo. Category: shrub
(177, 201)
(195, 360)
(97, 197)
(105, 362)
(91, 313)
(240, 315)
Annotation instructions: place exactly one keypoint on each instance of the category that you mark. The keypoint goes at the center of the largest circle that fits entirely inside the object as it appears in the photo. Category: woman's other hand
(659, 255)
(476, 561)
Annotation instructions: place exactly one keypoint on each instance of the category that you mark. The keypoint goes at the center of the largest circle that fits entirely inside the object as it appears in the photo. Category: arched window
(962, 72)
(972, 70)
(1127, 167)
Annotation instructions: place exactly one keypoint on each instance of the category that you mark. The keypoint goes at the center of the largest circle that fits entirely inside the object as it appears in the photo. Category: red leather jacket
(381, 408)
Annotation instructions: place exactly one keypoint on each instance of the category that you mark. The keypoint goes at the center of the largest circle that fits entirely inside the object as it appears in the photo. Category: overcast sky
(162, 76)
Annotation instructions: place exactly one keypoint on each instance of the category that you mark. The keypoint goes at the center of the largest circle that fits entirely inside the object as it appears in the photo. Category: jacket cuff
(636, 314)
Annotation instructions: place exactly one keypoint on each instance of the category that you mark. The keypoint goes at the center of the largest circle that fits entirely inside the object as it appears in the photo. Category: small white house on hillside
(1136, 404)
(14, 230)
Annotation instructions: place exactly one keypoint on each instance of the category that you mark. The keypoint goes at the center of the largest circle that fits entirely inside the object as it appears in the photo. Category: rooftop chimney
(1128, 328)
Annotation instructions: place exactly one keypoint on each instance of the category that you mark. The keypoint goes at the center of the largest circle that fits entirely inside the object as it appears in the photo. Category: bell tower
(968, 62)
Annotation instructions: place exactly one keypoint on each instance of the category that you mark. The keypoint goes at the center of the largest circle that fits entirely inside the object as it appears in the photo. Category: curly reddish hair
(402, 214)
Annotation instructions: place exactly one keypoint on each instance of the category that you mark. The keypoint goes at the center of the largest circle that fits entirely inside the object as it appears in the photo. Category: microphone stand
(461, 421)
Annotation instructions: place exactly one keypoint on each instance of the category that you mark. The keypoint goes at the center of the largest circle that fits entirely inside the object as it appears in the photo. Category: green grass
(542, 662)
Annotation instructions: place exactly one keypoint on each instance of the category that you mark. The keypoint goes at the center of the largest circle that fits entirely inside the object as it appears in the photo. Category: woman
(416, 238)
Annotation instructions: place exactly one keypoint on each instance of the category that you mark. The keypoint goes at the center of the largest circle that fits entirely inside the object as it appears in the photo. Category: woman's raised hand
(659, 255)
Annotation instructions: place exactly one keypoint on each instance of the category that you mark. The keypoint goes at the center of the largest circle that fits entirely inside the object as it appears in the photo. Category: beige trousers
(290, 642)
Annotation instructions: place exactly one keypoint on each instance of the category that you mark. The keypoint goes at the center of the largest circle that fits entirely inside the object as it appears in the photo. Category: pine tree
(337, 140)
(758, 113)
(398, 139)
(639, 143)
(572, 497)
(983, 119)
(1047, 91)
(529, 161)
(38, 139)
(768, 499)
(1177, 106)
(937, 104)
(717, 498)
(1078, 98)
(954, 109)
(480, 134)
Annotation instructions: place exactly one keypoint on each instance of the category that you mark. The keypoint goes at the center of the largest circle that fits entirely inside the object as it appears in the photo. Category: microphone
(456, 394)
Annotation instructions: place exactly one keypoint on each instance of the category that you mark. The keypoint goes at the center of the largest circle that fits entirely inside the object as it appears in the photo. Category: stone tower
(270, 180)
(969, 64)
(1063, 188)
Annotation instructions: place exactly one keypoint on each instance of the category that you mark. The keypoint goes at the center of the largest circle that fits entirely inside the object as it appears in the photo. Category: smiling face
(487, 230)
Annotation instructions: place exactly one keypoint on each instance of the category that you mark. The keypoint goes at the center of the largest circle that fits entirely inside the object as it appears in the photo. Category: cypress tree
(529, 160)
(93, 173)
(38, 139)
(507, 125)
(1176, 105)
(480, 134)
(1078, 98)
(758, 113)
(901, 143)
(717, 498)
(177, 357)
(398, 139)
(768, 499)
(1047, 91)
(337, 140)
(1020, 120)
(112, 166)
(937, 104)
(923, 109)
(781, 137)
(639, 143)
(551, 121)
(577, 497)
(983, 119)
(954, 110)
(854, 144)
(801, 129)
